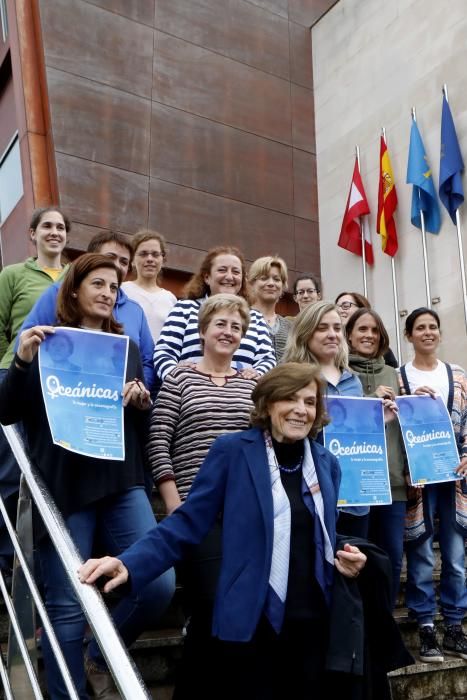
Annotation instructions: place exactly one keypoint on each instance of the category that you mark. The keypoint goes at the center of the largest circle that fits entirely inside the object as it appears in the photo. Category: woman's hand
(462, 468)
(390, 410)
(385, 392)
(169, 492)
(350, 561)
(249, 373)
(136, 394)
(425, 391)
(30, 340)
(111, 567)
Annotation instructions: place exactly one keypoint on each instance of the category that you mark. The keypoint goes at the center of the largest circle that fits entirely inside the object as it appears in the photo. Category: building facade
(191, 117)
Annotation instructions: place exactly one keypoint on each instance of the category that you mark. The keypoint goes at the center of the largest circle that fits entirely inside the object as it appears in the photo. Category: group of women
(253, 525)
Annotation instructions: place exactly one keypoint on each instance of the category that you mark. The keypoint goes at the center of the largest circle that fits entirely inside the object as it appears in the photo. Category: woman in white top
(149, 255)
(447, 501)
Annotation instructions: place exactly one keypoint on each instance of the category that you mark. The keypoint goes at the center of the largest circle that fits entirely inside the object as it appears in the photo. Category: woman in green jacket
(21, 285)
(368, 342)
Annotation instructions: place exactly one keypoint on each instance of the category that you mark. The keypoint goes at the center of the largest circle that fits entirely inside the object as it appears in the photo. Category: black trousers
(269, 667)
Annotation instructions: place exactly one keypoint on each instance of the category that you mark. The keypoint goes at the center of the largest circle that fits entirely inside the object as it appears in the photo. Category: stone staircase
(421, 681)
(157, 653)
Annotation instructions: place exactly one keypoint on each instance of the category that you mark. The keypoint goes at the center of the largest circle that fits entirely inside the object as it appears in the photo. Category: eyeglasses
(346, 305)
(302, 292)
(146, 253)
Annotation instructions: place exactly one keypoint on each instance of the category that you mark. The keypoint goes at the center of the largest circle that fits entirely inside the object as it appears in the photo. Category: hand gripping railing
(125, 674)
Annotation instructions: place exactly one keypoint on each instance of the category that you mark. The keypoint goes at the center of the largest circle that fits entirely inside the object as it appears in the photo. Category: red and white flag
(355, 212)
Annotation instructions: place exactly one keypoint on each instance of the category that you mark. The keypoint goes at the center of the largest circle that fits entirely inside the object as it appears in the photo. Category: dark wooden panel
(198, 220)
(108, 126)
(14, 234)
(86, 40)
(307, 246)
(81, 234)
(8, 124)
(138, 10)
(189, 150)
(307, 12)
(279, 7)
(234, 28)
(303, 119)
(305, 188)
(301, 59)
(101, 196)
(205, 83)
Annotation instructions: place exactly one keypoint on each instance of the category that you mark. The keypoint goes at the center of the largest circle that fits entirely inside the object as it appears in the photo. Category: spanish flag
(387, 203)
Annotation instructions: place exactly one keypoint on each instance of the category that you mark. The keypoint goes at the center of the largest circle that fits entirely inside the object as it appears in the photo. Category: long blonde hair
(303, 328)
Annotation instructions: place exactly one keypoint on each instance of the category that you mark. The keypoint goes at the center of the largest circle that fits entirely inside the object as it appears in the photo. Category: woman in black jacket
(97, 497)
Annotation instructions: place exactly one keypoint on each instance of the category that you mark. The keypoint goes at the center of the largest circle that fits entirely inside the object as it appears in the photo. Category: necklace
(291, 470)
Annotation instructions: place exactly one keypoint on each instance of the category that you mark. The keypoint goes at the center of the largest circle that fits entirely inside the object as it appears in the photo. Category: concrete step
(446, 681)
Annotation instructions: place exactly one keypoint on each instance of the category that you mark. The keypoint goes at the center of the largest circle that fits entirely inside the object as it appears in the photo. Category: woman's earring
(73, 294)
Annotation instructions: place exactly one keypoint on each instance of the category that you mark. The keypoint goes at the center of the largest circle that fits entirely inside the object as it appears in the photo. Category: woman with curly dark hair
(222, 270)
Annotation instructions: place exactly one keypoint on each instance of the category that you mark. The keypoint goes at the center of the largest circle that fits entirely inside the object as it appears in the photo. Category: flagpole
(394, 290)
(459, 241)
(362, 234)
(425, 256)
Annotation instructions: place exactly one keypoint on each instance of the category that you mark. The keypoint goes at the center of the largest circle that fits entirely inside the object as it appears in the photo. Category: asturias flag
(357, 205)
(423, 194)
(387, 203)
(451, 165)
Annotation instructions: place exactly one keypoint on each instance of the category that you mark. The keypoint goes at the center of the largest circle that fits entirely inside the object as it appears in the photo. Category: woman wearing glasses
(347, 304)
(306, 291)
(156, 302)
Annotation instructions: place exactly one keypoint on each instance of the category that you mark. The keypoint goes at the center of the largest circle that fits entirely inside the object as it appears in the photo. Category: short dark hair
(412, 317)
(68, 310)
(361, 301)
(100, 239)
(307, 276)
(383, 344)
(282, 383)
(37, 215)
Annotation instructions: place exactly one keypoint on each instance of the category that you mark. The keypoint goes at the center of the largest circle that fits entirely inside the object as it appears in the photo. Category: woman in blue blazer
(277, 491)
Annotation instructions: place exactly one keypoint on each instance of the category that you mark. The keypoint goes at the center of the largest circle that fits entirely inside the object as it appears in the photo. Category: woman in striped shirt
(195, 405)
(222, 271)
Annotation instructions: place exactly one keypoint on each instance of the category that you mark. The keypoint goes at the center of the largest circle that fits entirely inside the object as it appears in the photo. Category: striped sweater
(179, 340)
(188, 415)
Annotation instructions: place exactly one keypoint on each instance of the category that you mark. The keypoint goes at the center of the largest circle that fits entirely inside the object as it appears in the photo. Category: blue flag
(423, 194)
(451, 165)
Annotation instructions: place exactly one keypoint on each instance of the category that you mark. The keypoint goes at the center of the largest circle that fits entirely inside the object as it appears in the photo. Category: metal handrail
(124, 672)
(60, 659)
(20, 639)
(5, 681)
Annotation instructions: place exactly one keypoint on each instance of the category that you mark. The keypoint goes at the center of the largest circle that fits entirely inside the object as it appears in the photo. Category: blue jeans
(118, 521)
(387, 531)
(420, 596)
(10, 475)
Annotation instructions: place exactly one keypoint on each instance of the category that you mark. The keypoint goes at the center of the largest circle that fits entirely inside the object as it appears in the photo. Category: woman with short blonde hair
(268, 281)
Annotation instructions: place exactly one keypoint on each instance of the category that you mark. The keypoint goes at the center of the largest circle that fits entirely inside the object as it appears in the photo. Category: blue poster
(82, 376)
(428, 438)
(356, 436)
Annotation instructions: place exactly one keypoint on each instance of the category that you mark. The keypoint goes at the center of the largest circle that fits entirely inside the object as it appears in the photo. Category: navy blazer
(233, 480)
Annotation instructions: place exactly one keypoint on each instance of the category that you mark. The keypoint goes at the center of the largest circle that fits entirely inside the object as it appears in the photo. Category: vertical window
(11, 179)
(3, 20)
